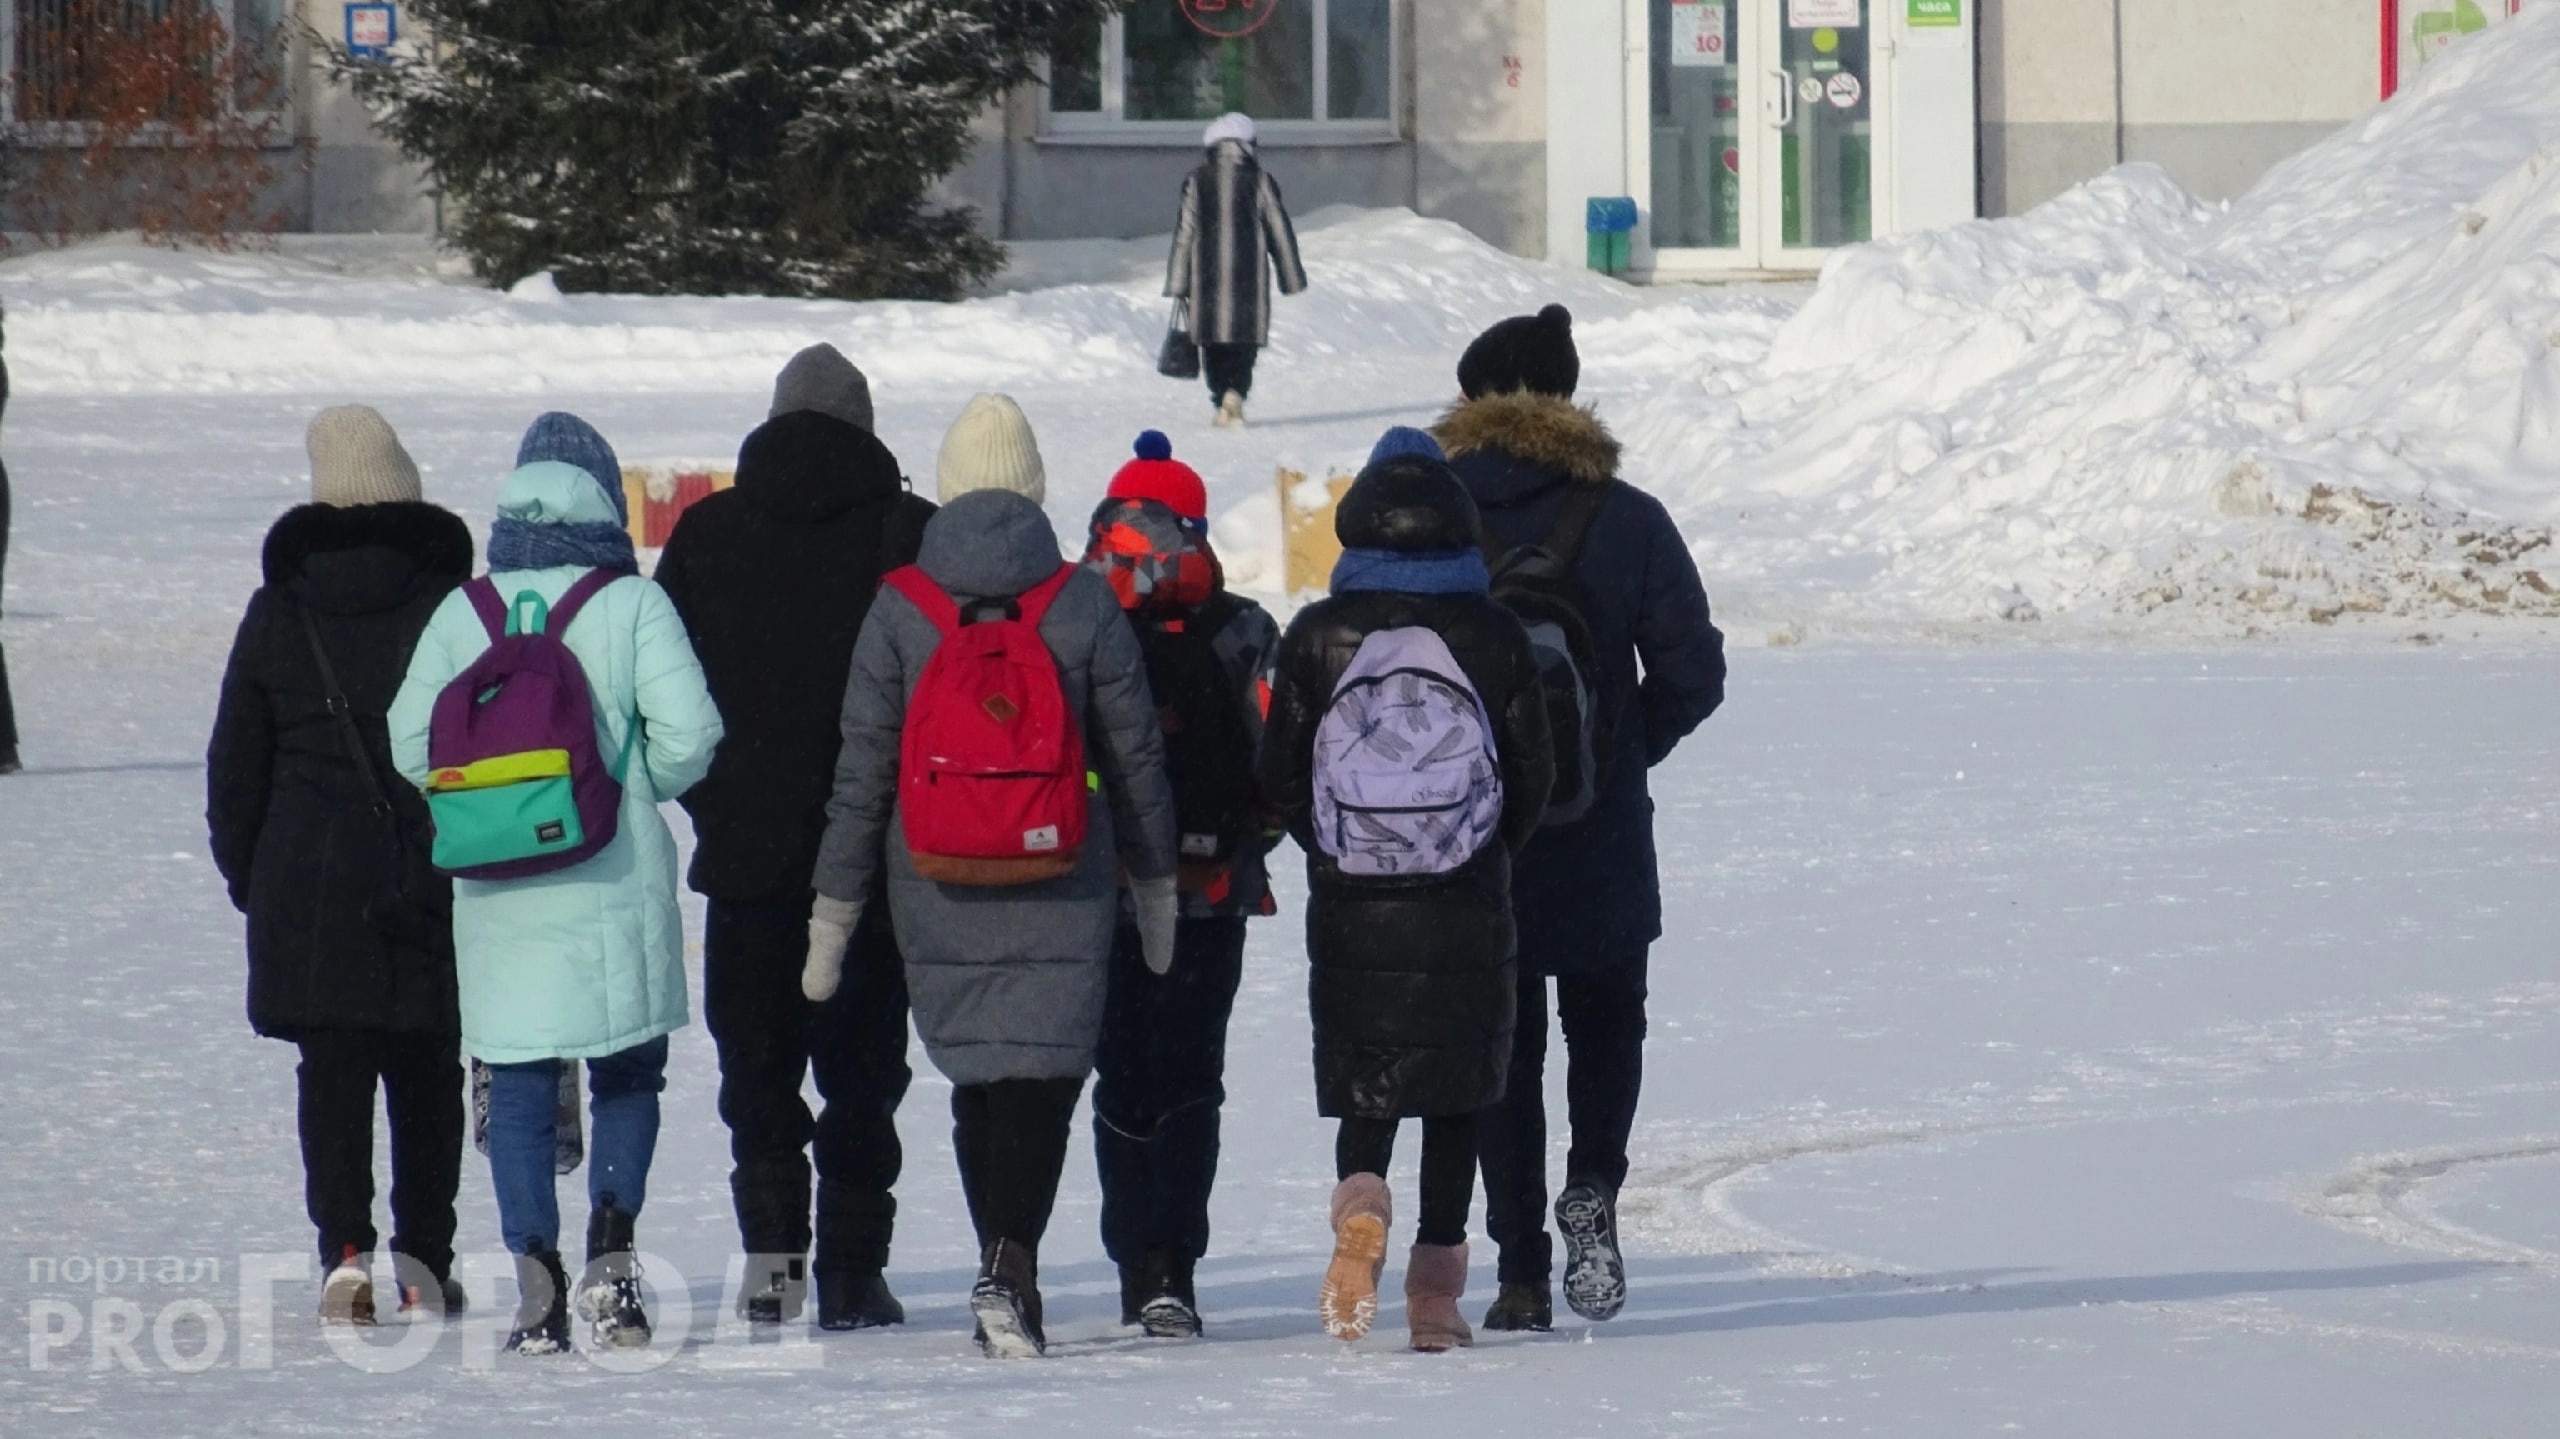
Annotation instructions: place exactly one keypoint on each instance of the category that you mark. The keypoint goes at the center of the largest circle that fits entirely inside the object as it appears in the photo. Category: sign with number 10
(1697, 33)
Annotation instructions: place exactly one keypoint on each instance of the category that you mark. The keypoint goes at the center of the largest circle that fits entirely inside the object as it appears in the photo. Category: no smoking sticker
(1844, 91)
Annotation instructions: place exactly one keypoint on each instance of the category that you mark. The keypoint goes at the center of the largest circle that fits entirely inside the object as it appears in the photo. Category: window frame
(1107, 127)
(74, 133)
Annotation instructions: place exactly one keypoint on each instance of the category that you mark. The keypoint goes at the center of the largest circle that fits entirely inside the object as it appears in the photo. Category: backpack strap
(928, 598)
(1582, 506)
(483, 594)
(343, 711)
(589, 585)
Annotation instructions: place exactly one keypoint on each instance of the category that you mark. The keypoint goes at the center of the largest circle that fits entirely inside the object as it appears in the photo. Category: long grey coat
(1007, 982)
(1234, 235)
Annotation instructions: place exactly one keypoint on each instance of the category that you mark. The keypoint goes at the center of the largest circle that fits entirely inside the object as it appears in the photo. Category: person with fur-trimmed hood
(1587, 896)
(325, 851)
(1232, 240)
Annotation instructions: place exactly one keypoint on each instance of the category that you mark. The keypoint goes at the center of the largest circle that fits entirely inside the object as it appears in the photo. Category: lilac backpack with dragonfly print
(1407, 783)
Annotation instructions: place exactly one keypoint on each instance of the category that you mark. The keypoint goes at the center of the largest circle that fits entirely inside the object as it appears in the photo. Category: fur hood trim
(1552, 433)
(432, 536)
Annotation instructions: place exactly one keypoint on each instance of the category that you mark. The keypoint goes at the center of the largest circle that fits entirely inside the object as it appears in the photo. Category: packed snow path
(2092, 1042)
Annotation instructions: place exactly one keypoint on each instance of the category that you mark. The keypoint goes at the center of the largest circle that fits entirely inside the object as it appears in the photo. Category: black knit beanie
(1526, 352)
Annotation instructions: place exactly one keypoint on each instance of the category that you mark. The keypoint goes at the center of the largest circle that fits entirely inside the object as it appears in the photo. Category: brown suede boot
(1349, 1300)
(1434, 1278)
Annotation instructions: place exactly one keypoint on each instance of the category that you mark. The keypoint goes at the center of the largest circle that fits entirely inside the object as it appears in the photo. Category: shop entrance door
(1759, 141)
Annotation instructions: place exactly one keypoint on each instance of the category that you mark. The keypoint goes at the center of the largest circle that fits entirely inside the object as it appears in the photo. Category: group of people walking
(935, 769)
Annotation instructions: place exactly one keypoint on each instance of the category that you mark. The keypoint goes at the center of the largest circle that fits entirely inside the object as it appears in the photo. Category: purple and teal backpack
(516, 786)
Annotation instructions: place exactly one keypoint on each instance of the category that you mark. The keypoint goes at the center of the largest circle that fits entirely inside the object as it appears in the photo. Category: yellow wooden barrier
(1308, 548)
(658, 495)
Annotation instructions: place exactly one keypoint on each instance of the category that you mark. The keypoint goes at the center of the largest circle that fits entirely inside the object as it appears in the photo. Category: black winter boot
(1007, 1302)
(1595, 1273)
(856, 1299)
(609, 1293)
(776, 1288)
(1521, 1308)
(542, 1305)
(1170, 1310)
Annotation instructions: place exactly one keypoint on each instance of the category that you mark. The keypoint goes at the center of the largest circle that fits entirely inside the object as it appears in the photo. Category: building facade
(1753, 135)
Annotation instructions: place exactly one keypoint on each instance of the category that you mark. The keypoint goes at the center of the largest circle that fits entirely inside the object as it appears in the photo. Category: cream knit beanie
(990, 448)
(357, 460)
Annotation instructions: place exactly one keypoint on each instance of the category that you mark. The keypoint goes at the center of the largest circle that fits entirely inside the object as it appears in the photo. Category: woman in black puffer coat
(350, 938)
(1412, 982)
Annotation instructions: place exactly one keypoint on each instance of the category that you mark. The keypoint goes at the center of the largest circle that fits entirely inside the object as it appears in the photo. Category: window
(1174, 64)
(73, 60)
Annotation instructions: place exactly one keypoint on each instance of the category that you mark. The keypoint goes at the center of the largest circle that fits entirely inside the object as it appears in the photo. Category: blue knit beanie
(1405, 440)
(559, 435)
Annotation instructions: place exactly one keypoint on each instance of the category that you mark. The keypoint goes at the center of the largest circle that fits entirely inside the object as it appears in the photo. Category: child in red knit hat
(1160, 1074)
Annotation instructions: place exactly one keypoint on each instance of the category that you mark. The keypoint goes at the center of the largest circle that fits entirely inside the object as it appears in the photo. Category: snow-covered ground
(2133, 1032)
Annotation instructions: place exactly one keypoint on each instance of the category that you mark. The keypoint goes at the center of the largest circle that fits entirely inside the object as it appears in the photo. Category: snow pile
(2336, 397)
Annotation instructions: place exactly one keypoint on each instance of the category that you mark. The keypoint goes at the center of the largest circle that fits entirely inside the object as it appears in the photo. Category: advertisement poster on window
(2416, 31)
(1229, 19)
(1825, 14)
(1697, 34)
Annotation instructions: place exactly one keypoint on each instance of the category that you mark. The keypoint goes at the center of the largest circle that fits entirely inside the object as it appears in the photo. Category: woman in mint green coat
(587, 962)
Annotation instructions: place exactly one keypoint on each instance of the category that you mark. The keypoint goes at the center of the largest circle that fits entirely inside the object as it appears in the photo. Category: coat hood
(554, 492)
(357, 559)
(1409, 503)
(807, 465)
(989, 544)
(1551, 433)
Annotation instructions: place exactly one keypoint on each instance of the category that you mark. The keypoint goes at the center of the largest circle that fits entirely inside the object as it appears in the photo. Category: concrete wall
(358, 181)
(2048, 92)
(1477, 78)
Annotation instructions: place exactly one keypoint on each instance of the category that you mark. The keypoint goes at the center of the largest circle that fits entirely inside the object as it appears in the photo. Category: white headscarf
(1234, 125)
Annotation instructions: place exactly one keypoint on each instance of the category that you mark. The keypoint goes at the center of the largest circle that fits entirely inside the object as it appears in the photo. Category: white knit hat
(990, 448)
(357, 460)
(1233, 125)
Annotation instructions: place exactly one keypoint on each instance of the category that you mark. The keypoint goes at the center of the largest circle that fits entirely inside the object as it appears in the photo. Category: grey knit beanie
(820, 378)
(357, 460)
(990, 448)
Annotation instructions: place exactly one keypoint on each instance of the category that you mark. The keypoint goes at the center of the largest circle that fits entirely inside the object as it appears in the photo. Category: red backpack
(992, 786)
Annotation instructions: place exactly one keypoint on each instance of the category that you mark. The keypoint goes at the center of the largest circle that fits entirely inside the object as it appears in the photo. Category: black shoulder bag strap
(1573, 525)
(389, 909)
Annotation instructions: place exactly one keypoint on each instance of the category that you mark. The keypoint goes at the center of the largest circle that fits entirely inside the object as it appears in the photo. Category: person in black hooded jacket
(1411, 986)
(350, 931)
(1589, 900)
(773, 579)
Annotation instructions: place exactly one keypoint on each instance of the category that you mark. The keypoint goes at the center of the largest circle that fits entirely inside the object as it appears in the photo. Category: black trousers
(1366, 1146)
(1603, 1015)
(1228, 367)
(1159, 1081)
(1011, 1139)
(769, 1037)
(420, 1077)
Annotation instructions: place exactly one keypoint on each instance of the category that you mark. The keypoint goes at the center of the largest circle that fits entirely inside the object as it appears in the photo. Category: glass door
(1756, 149)
(1822, 116)
(1695, 134)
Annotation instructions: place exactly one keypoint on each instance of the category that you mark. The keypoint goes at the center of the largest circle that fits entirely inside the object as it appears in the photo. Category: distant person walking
(1543, 471)
(1232, 240)
(773, 579)
(8, 716)
(324, 849)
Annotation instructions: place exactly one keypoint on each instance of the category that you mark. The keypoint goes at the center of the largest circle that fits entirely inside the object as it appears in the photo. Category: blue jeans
(622, 1135)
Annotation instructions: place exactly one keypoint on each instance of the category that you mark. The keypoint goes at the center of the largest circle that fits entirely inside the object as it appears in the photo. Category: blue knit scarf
(1413, 572)
(523, 545)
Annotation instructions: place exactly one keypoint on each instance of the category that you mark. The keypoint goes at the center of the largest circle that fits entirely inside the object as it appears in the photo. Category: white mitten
(1159, 914)
(831, 924)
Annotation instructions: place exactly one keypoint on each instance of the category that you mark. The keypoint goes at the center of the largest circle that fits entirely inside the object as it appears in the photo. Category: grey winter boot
(1595, 1274)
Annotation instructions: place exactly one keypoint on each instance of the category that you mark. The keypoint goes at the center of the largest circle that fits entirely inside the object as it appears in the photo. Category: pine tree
(776, 147)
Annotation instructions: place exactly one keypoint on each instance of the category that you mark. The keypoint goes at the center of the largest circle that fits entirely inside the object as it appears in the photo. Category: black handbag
(390, 909)
(1179, 359)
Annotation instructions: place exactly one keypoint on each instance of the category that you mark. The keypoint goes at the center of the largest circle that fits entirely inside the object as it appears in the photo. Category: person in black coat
(1411, 987)
(350, 929)
(1588, 897)
(773, 579)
